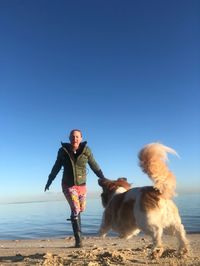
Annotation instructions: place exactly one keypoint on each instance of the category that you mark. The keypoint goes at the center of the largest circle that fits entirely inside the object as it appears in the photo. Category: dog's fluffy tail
(153, 158)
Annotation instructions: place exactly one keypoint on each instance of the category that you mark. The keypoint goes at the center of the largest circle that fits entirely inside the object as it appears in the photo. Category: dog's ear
(102, 181)
(122, 178)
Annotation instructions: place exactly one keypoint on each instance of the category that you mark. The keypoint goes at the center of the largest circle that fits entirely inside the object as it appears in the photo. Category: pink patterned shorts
(76, 197)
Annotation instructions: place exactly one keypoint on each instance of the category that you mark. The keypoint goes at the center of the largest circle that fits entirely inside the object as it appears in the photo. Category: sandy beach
(96, 251)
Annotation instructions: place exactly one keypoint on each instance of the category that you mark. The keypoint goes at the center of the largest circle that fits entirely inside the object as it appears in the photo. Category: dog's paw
(183, 252)
(102, 234)
(157, 253)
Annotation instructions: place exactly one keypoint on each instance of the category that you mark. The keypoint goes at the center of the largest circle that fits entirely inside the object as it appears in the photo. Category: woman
(73, 157)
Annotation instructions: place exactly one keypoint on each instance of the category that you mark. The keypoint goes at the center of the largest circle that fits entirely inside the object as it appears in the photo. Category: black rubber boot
(79, 220)
(77, 231)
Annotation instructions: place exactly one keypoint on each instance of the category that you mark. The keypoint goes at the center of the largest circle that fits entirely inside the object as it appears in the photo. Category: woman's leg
(82, 191)
(76, 197)
(72, 196)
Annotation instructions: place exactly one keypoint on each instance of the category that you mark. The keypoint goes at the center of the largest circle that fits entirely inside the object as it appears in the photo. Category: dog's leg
(183, 242)
(128, 235)
(157, 241)
(105, 226)
(103, 231)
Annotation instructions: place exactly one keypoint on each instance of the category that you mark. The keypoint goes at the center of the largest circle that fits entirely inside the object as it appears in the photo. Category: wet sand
(96, 251)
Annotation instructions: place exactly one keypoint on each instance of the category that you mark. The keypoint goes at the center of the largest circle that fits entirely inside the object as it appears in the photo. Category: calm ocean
(48, 219)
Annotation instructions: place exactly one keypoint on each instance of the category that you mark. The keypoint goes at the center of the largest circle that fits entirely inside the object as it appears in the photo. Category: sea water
(49, 219)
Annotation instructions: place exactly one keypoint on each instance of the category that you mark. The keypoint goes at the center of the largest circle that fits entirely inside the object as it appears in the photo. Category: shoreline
(110, 235)
(96, 251)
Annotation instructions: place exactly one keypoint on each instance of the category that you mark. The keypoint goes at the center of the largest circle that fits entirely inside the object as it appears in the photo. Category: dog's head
(110, 187)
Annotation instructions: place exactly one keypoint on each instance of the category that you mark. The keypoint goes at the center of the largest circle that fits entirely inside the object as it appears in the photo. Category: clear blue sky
(125, 72)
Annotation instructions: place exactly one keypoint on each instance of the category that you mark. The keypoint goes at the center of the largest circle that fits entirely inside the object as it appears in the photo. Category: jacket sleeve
(56, 167)
(94, 165)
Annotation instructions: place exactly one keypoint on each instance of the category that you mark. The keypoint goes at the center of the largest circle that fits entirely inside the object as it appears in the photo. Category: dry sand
(96, 251)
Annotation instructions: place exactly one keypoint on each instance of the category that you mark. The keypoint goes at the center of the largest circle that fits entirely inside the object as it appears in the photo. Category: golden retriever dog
(149, 209)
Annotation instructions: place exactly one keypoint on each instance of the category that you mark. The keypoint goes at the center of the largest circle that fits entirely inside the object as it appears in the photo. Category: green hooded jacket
(74, 165)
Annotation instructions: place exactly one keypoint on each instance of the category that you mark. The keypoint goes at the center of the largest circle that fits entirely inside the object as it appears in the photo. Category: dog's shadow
(169, 253)
(20, 258)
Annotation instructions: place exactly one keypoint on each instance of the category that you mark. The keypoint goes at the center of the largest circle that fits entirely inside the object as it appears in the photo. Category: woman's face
(75, 139)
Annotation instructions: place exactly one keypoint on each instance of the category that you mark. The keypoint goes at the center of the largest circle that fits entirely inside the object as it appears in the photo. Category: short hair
(72, 131)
